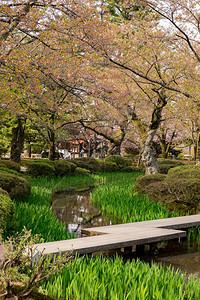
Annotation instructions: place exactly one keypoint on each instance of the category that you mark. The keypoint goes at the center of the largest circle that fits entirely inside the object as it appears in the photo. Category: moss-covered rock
(10, 165)
(37, 168)
(16, 186)
(6, 210)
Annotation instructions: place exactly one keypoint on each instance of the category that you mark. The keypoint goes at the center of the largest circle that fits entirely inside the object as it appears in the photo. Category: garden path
(123, 235)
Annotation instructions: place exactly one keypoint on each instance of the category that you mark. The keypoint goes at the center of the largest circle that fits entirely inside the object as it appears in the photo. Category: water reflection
(74, 208)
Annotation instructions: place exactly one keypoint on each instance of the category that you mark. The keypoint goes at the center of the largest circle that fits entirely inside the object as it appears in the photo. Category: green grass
(103, 278)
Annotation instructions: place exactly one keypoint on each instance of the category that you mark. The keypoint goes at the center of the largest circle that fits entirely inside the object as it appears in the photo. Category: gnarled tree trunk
(147, 134)
(147, 154)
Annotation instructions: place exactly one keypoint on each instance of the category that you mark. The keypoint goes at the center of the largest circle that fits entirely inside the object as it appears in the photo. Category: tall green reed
(119, 199)
(105, 278)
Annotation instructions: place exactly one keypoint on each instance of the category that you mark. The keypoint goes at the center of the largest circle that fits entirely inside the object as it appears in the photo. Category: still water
(74, 208)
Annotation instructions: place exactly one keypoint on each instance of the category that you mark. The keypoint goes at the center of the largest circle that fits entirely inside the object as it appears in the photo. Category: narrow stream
(74, 208)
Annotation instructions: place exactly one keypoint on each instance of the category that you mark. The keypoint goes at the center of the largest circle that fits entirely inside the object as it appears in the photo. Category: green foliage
(105, 278)
(16, 186)
(10, 165)
(179, 188)
(142, 182)
(4, 169)
(63, 167)
(110, 166)
(186, 171)
(6, 210)
(119, 160)
(21, 266)
(127, 169)
(89, 163)
(40, 169)
(170, 162)
(164, 168)
(82, 171)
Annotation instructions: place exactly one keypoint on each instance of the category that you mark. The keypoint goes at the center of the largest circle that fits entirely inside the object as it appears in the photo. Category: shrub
(185, 190)
(186, 171)
(164, 168)
(127, 169)
(4, 169)
(16, 186)
(40, 169)
(82, 171)
(110, 166)
(89, 163)
(170, 162)
(6, 210)
(10, 165)
(119, 160)
(142, 182)
(63, 167)
(179, 188)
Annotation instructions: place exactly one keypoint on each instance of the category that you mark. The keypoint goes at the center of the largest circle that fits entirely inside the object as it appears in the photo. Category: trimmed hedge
(10, 171)
(63, 167)
(40, 169)
(89, 163)
(179, 189)
(16, 186)
(186, 171)
(119, 160)
(170, 162)
(10, 165)
(110, 166)
(6, 210)
(164, 168)
(82, 171)
(142, 182)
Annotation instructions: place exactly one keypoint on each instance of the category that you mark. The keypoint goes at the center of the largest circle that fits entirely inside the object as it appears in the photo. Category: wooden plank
(123, 235)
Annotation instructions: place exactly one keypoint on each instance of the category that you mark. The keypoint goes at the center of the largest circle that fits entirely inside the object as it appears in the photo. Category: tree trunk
(52, 147)
(17, 142)
(163, 148)
(147, 154)
(115, 150)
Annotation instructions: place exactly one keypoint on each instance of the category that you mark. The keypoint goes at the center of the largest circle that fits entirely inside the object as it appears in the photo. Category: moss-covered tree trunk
(17, 142)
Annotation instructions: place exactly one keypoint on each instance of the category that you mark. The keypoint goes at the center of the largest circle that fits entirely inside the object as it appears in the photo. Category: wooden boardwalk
(123, 235)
